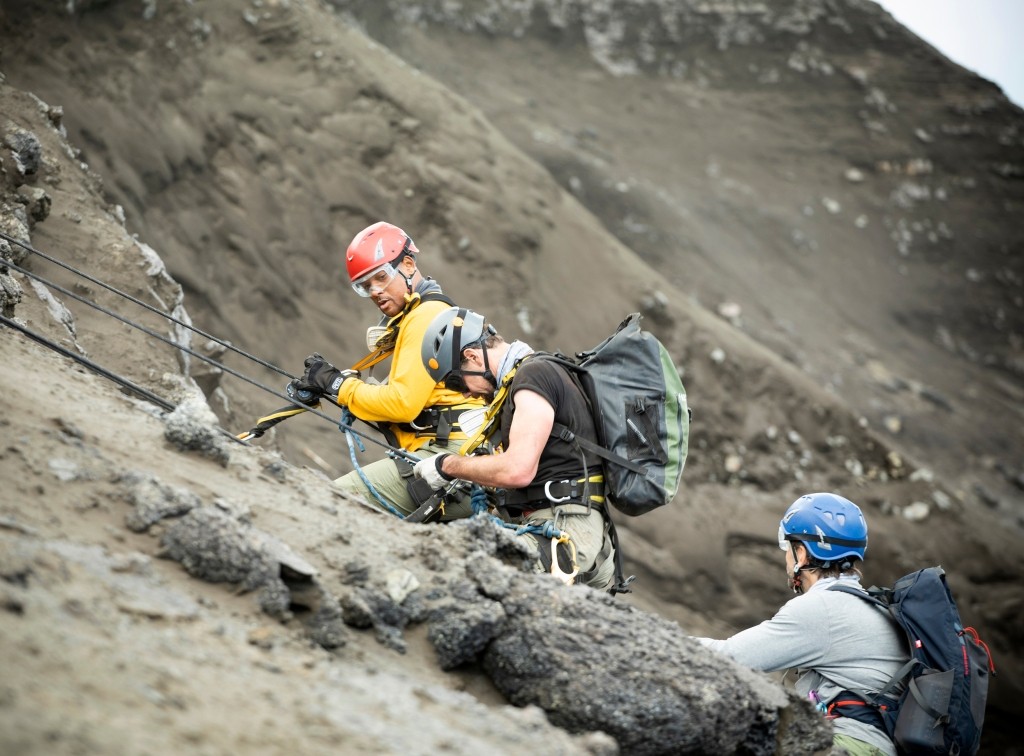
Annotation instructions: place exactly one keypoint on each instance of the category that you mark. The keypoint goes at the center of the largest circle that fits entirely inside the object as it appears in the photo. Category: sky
(984, 36)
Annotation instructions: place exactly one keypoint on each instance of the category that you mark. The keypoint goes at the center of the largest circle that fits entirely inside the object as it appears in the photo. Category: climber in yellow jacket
(411, 409)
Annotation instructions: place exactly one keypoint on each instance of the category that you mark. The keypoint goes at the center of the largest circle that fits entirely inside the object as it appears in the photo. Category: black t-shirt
(559, 460)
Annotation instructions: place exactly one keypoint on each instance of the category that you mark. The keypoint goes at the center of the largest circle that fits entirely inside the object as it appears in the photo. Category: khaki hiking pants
(587, 530)
(385, 478)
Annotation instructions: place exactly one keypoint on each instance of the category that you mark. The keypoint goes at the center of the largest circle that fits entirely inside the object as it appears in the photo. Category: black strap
(444, 428)
(621, 584)
(563, 433)
(405, 467)
(438, 421)
(568, 491)
(437, 296)
(852, 706)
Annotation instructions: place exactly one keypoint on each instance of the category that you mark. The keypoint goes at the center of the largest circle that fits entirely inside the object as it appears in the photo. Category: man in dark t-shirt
(558, 460)
(550, 483)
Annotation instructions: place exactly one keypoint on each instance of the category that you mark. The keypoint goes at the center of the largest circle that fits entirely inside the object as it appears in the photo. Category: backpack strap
(889, 690)
(870, 595)
(851, 705)
(562, 432)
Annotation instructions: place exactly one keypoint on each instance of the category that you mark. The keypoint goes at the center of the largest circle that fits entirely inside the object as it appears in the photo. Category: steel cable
(28, 247)
(144, 329)
(125, 382)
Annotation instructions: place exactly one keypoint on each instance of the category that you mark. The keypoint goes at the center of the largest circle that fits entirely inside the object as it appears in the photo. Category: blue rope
(345, 427)
(478, 501)
(548, 529)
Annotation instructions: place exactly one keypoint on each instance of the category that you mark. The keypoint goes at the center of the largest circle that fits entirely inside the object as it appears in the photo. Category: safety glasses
(376, 280)
(456, 381)
(783, 540)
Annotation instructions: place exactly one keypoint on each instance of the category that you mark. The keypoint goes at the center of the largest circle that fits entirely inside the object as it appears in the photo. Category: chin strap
(796, 582)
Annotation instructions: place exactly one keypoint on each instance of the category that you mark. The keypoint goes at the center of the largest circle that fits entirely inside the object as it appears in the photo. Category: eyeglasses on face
(783, 539)
(376, 280)
(455, 381)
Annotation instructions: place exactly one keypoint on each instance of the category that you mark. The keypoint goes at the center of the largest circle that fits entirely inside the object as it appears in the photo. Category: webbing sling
(386, 343)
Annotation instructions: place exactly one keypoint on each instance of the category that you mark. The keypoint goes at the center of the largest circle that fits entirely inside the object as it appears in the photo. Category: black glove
(322, 377)
(301, 395)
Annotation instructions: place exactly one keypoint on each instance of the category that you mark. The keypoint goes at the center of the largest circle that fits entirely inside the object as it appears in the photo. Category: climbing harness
(479, 501)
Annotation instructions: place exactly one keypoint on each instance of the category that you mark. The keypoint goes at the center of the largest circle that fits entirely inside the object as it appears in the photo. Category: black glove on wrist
(438, 461)
(302, 395)
(322, 377)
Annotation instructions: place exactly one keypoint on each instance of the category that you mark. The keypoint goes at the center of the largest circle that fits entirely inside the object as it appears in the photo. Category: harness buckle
(427, 420)
(551, 497)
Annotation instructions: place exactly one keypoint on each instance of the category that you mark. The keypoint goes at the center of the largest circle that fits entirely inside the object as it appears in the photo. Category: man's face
(389, 295)
(476, 386)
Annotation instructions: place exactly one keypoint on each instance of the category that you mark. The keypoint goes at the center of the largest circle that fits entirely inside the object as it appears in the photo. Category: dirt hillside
(814, 210)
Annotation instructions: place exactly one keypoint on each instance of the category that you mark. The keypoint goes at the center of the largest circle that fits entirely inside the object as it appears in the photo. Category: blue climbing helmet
(831, 528)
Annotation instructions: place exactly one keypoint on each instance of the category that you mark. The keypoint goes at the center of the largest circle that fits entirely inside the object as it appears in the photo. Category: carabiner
(556, 571)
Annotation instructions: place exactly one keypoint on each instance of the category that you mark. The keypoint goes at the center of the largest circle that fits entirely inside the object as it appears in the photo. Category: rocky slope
(243, 144)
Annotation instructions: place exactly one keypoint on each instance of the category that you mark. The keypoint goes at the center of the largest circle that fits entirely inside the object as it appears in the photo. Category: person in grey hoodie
(841, 646)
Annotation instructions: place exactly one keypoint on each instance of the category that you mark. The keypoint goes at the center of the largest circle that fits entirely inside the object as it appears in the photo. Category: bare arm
(516, 466)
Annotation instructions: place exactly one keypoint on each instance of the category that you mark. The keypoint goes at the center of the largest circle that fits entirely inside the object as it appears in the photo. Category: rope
(28, 247)
(478, 501)
(169, 406)
(347, 430)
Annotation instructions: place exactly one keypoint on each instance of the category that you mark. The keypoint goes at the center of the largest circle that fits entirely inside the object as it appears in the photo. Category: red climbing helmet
(374, 246)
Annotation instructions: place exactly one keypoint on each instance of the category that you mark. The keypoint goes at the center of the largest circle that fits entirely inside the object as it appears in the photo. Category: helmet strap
(796, 581)
(487, 374)
(397, 265)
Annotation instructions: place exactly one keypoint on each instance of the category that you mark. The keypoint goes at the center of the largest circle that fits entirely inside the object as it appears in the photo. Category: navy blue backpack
(935, 704)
